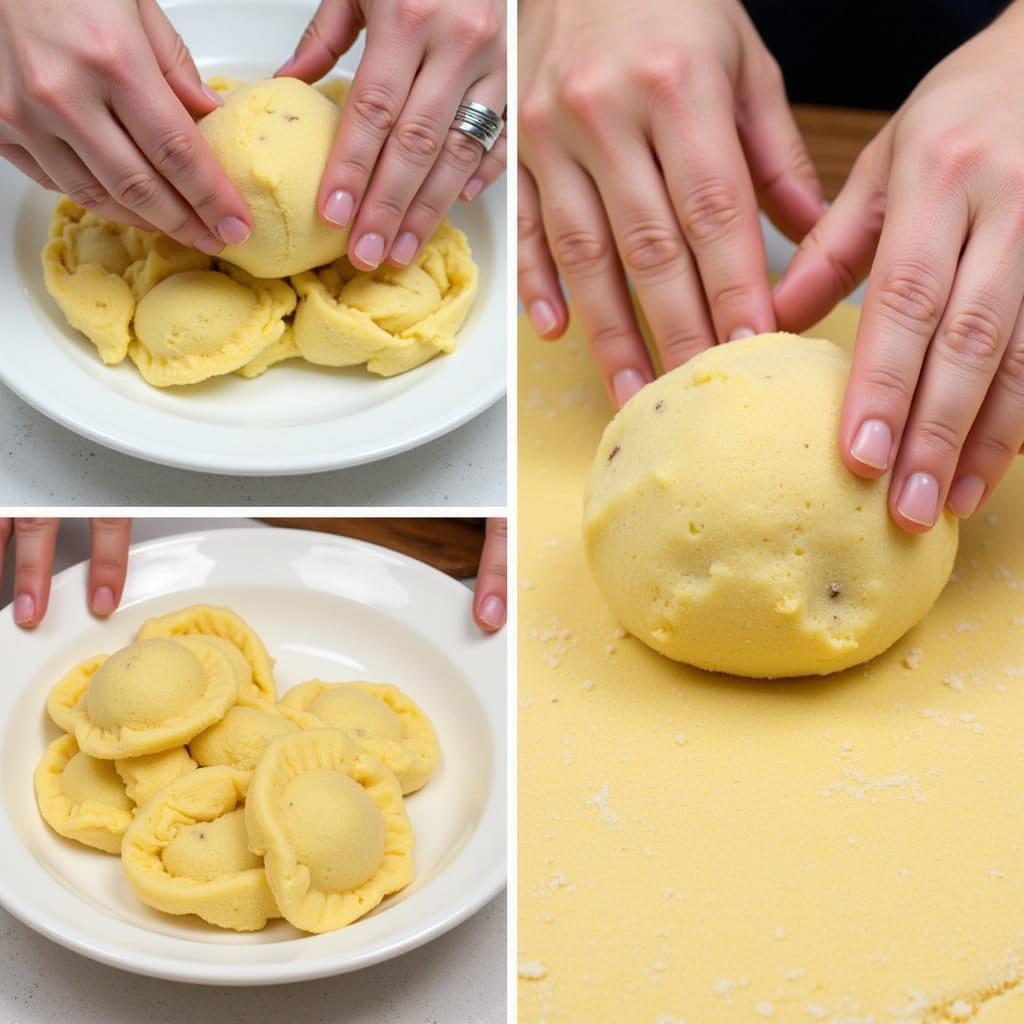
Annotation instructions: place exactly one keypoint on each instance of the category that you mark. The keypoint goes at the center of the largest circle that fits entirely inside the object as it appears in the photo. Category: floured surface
(698, 849)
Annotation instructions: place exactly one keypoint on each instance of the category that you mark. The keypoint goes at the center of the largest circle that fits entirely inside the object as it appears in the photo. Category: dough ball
(344, 707)
(206, 850)
(89, 778)
(240, 737)
(273, 139)
(724, 530)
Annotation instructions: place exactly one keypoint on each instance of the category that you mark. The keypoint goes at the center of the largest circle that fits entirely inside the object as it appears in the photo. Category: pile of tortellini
(222, 801)
(288, 292)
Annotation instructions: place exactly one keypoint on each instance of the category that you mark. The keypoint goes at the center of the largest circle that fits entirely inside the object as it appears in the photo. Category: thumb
(175, 61)
(334, 28)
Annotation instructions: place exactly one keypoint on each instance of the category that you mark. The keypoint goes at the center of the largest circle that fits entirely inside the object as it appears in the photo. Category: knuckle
(579, 251)
(938, 437)
(681, 345)
(1011, 373)
(997, 446)
(586, 93)
(610, 334)
(536, 116)
(30, 526)
(650, 247)
(953, 153)
(45, 86)
(376, 106)
(413, 15)
(663, 70)
(418, 140)
(387, 207)
(731, 296)
(427, 209)
(90, 195)
(710, 210)
(974, 336)
(909, 295)
(478, 27)
(528, 227)
(175, 153)
(137, 190)
(887, 385)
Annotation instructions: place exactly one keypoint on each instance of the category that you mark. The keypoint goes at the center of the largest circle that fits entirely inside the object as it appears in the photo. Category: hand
(935, 207)
(491, 598)
(396, 167)
(34, 544)
(99, 105)
(649, 131)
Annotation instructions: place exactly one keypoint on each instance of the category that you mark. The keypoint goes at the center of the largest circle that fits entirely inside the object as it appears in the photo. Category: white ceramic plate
(325, 607)
(296, 418)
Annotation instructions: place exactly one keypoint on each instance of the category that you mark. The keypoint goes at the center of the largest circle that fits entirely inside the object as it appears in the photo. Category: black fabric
(867, 54)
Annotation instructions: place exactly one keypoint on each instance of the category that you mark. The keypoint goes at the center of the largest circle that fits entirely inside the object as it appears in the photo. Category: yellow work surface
(703, 849)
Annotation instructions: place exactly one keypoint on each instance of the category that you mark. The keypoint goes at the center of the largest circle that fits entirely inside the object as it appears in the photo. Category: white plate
(327, 607)
(296, 418)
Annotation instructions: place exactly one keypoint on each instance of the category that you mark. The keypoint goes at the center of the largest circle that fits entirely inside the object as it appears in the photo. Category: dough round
(67, 692)
(724, 530)
(273, 138)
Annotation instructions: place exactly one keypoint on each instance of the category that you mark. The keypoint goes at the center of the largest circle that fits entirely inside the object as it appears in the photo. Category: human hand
(491, 598)
(649, 131)
(935, 207)
(100, 106)
(34, 543)
(396, 166)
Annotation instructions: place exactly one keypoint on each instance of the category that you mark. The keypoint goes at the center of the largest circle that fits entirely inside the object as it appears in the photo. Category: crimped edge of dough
(65, 694)
(149, 773)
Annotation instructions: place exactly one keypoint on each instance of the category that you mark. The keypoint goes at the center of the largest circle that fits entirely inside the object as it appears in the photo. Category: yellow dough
(67, 692)
(143, 776)
(391, 319)
(212, 621)
(82, 798)
(203, 323)
(154, 695)
(187, 852)
(382, 720)
(329, 821)
(273, 138)
(725, 531)
(241, 736)
(698, 847)
(282, 349)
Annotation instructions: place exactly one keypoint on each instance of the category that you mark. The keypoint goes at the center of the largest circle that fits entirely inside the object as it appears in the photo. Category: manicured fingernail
(873, 444)
(542, 314)
(285, 67)
(213, 95)
(208, 244)
(965, 495)
(919, 500)
(625, 384)
(742, 332)
(24, 609)
(339, 207)
(472, 189)
(370, 249)
(492, 611)
(233, 231)
(103, 601)
(405, 248)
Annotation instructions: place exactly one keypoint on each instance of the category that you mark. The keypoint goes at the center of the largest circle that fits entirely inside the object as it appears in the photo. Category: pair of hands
(651, 133)
(35, 541)
(102, 108)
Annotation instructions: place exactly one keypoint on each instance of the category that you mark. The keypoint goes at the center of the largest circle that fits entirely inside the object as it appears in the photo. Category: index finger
(108, 566)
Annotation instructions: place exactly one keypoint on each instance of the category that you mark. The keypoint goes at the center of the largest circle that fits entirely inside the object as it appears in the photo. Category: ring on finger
(479, 122)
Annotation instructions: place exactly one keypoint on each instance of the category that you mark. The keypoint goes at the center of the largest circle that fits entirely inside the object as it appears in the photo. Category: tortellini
(143, 776)
(241, 736)
(66, 693)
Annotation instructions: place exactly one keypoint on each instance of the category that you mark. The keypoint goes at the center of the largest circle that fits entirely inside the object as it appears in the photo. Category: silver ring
(479, 122)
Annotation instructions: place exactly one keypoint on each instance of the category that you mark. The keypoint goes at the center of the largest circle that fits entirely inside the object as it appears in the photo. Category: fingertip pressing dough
(724, 530)
(81, 797)
(381, 718)
(241, 736)
(213, 621)
(391, 319)
(69, 690)
(143, 776)
(329, 821)
(153, 695)
(187, 852)
(273, 138)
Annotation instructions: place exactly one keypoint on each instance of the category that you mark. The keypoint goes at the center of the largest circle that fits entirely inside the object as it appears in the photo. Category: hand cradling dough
(161, 741)
(725, 531)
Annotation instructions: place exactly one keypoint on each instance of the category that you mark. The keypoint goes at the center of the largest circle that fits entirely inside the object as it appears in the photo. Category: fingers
(539, 290)
(714, 202)
(109, 563)
(35, 542)
(334, 28)
(837, 252)
(458, 159)
(491, 167)
(23, 160)
(491, 598)
(583, 247)
(962, 360)
(6, 532)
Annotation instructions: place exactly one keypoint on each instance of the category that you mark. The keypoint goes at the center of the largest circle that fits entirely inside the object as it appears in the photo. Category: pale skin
(933, 211)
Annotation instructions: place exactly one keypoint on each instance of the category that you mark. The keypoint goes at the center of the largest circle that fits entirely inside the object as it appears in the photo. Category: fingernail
(492, 611)
(233, 231)
(213, 95)
(370, 249)
(339, 207)
(965, 495)
(625, 384)
(873, 444)
(542, 314)
(919, 500)
(24, 609)
(285, 67)
(208, 244)
(103, 601)
(742, 332)
(472, 189)
(405, 248)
